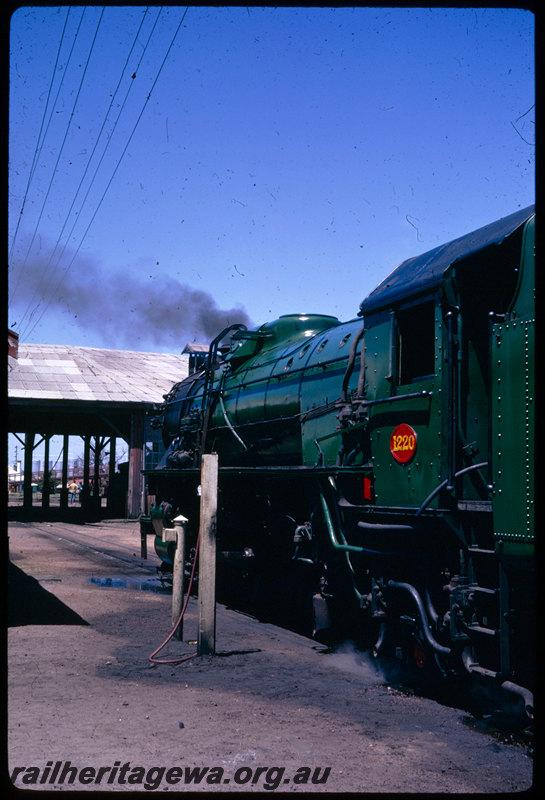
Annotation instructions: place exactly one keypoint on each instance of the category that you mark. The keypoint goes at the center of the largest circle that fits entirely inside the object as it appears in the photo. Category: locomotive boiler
(376, 475)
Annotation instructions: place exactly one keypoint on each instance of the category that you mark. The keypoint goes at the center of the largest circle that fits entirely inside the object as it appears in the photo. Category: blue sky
(175, 169)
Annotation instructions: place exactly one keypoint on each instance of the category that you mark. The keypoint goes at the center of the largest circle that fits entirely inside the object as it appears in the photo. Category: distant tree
(52, 482)
(122, 453)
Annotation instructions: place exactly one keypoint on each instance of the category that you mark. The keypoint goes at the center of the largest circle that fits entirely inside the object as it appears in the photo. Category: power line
(27, 331)
(121, 157)
(38, 147)
(123, 72)
(61, 149)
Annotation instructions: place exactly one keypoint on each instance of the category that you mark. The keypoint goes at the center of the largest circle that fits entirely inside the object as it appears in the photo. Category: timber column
(206, 642)
(27, 486)
(136, 465)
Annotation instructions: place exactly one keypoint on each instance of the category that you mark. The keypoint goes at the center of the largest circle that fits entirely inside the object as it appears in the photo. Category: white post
(178, 575)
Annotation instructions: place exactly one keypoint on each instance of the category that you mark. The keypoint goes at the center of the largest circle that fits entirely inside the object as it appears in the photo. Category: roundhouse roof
(63, 372)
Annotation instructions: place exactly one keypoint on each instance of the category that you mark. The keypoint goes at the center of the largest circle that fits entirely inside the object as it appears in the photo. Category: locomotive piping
(320, 461)
(352, 455)
(508, 686)
(377, 647)
(526, 694)
(346, 548)
(384, 527)
(350, 365)
(229, 424)
(209, 380)
(394, 398)
(445, 483)
(329, 523)
(432, 613)
(439, 648)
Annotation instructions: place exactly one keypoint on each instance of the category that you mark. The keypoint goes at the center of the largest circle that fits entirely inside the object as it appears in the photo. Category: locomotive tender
(382, 468)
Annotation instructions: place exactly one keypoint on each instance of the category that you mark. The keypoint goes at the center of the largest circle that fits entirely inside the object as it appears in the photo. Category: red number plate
(403, 443)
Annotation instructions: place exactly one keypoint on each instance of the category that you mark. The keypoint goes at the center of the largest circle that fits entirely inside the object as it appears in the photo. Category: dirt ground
(81, 689)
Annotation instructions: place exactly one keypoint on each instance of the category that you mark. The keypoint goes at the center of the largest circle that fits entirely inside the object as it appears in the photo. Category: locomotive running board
(271, 471)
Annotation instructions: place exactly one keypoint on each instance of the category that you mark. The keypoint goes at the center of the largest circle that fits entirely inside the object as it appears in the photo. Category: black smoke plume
(124, 309)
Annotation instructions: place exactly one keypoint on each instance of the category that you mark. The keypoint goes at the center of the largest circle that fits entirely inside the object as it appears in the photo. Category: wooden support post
(46, 488)
(111, 475)
(27, 486)
(96, 472)
(206, 644)
(136, 464)
(64, 479)
(178, 587)
(143, 539)
(85, 494)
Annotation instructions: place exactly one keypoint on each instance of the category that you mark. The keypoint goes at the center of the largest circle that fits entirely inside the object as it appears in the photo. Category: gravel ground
(271, 711)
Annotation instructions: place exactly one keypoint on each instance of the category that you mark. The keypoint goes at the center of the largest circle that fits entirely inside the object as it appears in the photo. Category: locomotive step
(488, 673)
(481, 629)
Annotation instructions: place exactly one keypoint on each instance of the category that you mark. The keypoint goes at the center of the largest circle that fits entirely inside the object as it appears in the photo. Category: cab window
(415, 342)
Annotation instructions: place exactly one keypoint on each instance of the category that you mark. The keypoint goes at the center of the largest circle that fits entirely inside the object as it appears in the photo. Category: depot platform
(82, 687)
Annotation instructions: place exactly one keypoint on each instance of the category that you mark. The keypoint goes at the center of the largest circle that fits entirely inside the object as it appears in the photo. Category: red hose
(178, 621)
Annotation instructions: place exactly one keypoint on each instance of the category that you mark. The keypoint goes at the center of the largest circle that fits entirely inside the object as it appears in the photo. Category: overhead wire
(113, 97)
(40, 140)
(38, 148)
(28, 333)
(60, 151)
(29, 305)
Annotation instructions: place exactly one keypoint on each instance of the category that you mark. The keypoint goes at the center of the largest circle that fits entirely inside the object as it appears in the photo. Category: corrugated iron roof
(62, 372)
(195, 347)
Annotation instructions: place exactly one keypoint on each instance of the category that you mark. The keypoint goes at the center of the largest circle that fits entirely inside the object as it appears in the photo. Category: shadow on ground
(30, 604)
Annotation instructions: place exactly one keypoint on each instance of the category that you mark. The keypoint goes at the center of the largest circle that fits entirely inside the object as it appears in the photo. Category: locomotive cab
(432, 334)
(449, 343)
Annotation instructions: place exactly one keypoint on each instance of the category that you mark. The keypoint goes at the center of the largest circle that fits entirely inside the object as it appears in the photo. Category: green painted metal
(513, 413)
(296, 370)
(403, 484)
(279, 397)
(405, 437)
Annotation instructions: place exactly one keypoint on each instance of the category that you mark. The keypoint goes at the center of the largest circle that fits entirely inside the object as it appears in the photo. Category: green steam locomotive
(377, 475)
